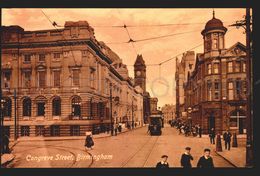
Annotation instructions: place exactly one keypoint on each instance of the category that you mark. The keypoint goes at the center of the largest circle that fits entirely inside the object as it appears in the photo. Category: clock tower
(140, 72)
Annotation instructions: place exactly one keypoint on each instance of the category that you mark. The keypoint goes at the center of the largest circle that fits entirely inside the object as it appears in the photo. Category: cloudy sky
(148, 23)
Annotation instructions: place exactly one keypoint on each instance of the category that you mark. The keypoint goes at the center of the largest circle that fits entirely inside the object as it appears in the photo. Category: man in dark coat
(163, 163)
(199, 131)
(212, 136)
(6, 148)
(227, 138)
(186, 158)
(205, 161)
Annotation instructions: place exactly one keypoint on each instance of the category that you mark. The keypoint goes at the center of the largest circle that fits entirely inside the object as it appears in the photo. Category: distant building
(153, 105)
(168, 111)
(216, 90)
(183, 70)
(62, 80)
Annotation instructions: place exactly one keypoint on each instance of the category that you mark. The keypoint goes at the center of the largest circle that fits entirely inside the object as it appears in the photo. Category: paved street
(130, 149)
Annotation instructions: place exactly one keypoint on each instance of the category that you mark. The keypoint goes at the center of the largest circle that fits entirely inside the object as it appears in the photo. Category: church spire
(213, 13)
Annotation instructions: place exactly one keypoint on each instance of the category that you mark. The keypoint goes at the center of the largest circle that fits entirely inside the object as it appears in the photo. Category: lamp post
(111, 115)
(1, 115)
(132, 113)
(1, 126)
(15, 116)
(249, 145)
(190, 119)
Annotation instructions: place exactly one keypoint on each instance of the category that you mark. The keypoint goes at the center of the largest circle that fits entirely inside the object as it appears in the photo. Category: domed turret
(213, 34)
(214, 24)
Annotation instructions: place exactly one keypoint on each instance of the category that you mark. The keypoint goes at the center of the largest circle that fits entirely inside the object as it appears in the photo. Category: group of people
(226, 137)
(205, 161)
(187, 130)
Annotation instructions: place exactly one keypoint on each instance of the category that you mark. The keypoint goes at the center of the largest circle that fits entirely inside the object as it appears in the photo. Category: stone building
(58, 82)
(216, 91)
(183, 69)
(168, 111)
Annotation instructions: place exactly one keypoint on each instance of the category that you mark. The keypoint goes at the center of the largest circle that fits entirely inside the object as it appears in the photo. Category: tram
(155, 124)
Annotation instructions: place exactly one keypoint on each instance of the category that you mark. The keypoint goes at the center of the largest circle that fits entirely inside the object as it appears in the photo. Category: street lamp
(116, 99)
(111, 115)
(1, 127)
(132, 113)
(189, 117)
(1, 116)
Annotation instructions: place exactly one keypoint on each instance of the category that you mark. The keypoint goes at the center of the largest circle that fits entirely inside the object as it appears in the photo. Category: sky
(160, 79)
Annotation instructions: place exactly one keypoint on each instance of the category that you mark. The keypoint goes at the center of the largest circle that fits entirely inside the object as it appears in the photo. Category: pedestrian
(212, 136)
(149, 129)
(186, 130)
(199, 131)
(186, 158)
(89, 143)
(206, 161)
(120, 128)
(180, 128)
(163, 163)
(116, 127)
(227, 138)
(6, 148)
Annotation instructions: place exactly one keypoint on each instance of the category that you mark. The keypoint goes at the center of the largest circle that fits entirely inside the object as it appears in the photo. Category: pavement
(236, 156)
(8, 158)
(130, 148)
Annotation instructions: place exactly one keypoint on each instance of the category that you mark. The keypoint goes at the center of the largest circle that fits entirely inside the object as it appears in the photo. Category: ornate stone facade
(60, 81)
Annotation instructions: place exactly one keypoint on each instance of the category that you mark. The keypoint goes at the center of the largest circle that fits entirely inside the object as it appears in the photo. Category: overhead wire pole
(1, 114)
(246, 24)
(249, 141)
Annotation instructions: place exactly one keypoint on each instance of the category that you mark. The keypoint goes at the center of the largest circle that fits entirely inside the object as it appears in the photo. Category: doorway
(211, 122)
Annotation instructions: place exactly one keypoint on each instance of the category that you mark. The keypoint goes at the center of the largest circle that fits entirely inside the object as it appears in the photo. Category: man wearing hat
(186, 158)
(163, 163)
(205, 161)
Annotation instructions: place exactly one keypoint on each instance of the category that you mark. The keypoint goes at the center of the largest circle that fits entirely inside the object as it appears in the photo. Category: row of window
(41, 78)
(56, 79)
(40, 130)
(56, 56)
(236, 90)
(93, 109)
(232, 66)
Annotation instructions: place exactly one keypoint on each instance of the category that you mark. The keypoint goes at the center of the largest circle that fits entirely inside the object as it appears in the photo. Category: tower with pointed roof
(140, 72)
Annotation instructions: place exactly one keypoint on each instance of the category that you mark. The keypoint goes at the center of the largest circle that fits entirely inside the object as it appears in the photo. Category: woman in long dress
(89, 143)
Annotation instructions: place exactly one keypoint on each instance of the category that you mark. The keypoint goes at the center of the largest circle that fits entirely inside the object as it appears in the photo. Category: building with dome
(215, 90)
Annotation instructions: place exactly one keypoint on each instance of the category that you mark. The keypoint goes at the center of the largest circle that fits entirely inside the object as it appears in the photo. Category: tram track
(150, 143)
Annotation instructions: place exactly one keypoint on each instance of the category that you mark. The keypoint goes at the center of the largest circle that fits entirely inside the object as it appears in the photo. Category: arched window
(7, 107)
(75, 105)
(27, 105)
(56, 106)
(41, 102)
